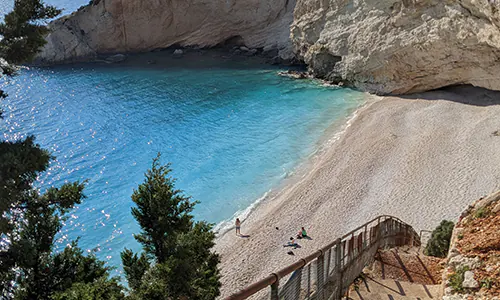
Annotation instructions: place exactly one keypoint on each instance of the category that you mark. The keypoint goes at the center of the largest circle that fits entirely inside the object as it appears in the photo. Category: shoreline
(422, 158)
(332, 134)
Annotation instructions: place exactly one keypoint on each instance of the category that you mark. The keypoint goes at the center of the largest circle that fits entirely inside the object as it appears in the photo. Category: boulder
(460, 261)
(116, 58)
(399, 46)
(496, 208)
(487, 200)
(178, 52)
(469, 281)
(251, 52)
(5, 67)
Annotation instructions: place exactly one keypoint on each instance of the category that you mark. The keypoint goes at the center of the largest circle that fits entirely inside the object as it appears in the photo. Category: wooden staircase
(399, 274)
(388, 289)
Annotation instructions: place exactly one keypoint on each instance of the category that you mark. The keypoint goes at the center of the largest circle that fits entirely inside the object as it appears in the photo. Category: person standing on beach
(238, 226)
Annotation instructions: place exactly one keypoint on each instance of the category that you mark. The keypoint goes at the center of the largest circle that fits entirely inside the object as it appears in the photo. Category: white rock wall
(112, 26)
(398, 47)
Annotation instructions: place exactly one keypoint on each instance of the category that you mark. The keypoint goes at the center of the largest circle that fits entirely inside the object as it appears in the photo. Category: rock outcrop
(473, 263)
(121, 26)
(380, 46)
(400, 46)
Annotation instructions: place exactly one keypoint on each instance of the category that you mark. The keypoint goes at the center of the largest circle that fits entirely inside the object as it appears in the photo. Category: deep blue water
(232, 129)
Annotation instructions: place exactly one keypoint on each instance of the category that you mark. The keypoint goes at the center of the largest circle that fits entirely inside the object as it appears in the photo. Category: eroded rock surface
(398, 47)
(475, 253)
(121, 26)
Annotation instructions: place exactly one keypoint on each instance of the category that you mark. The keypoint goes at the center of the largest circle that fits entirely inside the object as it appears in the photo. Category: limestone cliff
(400, 46)
(111, 26)
(472, 269)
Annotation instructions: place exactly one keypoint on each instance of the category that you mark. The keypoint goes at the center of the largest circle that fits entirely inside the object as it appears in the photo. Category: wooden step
(392, 289)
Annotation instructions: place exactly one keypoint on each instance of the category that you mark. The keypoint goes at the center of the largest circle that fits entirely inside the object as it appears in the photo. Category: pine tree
(22, 34)
(176, 261)
(23, 30)
(30, 220)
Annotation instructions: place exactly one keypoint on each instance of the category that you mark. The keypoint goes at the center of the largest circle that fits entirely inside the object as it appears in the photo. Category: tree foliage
(29, 219)
(439, 242)
(29, 266)
(22, 34)
(23, 30)
(176, 261)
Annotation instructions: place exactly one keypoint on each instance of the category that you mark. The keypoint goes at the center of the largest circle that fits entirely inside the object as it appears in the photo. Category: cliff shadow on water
(172, 58)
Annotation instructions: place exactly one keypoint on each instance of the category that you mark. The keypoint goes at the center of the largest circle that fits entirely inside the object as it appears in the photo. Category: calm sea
(232, 129)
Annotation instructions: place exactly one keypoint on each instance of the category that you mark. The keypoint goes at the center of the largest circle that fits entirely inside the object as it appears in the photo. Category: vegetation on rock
(439, 243)
(456, 279)
(480, 229)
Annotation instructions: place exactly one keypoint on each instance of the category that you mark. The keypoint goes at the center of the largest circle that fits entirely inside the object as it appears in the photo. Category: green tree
(439, 242)
(176, 261)
(23, 30)
(22, 34)
(29, 267)
(30, 220)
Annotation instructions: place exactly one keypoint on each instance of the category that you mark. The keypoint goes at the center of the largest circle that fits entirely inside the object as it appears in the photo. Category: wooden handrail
(274, 277)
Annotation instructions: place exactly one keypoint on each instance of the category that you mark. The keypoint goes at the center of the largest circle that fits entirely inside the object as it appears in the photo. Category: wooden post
(365, 241)
(350, 248)
(411, 237)
(320, 275)
(275, 290)
(298, 283)
(338, 268)
(328, 264)
(308, 281)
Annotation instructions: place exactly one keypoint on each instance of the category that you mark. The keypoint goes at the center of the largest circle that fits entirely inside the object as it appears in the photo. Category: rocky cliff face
(473, 264)
(400, 46)
(111, 26)
(381, 46)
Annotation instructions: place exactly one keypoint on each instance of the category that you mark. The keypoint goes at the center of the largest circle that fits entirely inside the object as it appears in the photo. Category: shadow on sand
(466, 94)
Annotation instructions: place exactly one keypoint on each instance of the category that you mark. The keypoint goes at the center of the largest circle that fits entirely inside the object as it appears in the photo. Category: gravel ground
(422, 158)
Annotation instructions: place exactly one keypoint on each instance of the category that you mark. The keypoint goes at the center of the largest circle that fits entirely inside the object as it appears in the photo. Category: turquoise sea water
(232, 129)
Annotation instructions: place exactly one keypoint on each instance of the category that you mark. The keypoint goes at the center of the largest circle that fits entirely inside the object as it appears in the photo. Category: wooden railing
(328, 272)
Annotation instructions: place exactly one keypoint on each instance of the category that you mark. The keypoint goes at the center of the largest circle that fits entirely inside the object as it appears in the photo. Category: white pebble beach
(422, 158)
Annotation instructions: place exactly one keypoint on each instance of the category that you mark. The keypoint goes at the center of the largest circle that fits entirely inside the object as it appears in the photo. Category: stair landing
(399, 273)
(388, 289)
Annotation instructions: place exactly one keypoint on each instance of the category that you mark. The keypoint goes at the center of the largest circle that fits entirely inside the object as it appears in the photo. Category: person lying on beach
(302, 233)
(291, 243)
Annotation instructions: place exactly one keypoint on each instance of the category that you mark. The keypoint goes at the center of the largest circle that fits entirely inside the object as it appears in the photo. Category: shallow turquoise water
(232, 129)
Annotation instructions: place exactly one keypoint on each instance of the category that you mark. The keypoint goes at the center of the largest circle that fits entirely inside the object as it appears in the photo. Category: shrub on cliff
(439, 243)
(176, 261)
